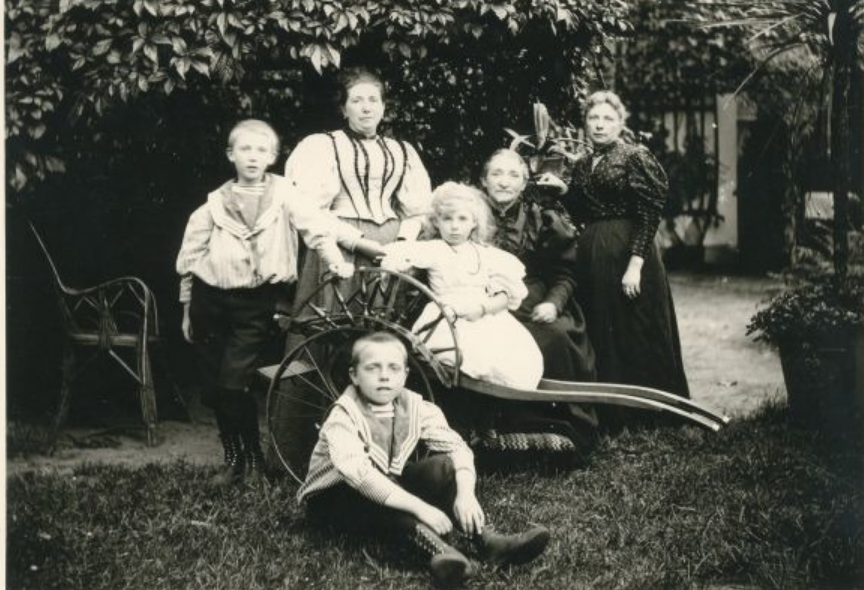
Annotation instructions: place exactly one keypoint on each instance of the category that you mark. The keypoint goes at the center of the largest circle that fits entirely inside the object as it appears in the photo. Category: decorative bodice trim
(371, 172)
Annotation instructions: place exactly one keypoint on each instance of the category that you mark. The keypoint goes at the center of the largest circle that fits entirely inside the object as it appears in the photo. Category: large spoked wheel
(314, 373)
(391, 301)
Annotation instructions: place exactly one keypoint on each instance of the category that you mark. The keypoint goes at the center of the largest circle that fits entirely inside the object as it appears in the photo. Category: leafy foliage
(72, 62)
(670, 60)
(555, 147)
(814, 312)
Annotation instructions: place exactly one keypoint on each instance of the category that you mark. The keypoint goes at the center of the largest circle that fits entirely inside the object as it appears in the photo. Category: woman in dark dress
(618, 192)
(548, 312)
(545, 243)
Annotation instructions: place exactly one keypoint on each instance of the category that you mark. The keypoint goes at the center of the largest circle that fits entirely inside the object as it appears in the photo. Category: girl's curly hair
(452, 195)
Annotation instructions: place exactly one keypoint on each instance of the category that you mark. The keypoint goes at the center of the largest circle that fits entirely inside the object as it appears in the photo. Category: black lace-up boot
(246, 410)
(235, 464)
(229, 433)
(520, 548)
(254, 457)
(449, 568)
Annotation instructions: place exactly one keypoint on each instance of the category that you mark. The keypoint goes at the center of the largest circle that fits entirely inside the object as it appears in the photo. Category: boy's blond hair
(253, 126)
(362, 343)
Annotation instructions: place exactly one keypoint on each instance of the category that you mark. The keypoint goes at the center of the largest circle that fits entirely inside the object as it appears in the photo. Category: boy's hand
(187, 324)
(434, 519)
(344, 270)
(469, 515)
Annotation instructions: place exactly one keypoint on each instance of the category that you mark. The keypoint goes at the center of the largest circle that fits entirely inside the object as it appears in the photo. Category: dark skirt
(314, 269)
(636, 341)
(564, 343)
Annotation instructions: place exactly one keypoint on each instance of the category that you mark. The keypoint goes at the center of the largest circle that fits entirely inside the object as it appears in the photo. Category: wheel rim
(385, 300)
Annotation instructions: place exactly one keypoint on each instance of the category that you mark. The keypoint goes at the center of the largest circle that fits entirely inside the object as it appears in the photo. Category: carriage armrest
(294, 369)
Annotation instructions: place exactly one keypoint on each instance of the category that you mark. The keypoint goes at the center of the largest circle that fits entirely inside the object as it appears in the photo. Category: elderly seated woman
(541, 240)
(545, 242)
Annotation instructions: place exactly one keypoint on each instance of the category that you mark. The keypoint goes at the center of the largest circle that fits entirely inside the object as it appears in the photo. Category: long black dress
(620, 201)
(548, 258)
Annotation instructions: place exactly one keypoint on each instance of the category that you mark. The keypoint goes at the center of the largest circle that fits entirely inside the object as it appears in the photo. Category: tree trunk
(843, 58)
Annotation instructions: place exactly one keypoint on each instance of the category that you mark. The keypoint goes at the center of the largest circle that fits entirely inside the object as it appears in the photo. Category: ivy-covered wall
(455, 67)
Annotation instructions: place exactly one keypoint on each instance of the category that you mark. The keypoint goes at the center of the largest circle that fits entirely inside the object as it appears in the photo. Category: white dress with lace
(495, 348)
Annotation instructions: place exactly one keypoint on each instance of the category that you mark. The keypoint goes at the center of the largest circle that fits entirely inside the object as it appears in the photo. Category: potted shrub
(818, 327)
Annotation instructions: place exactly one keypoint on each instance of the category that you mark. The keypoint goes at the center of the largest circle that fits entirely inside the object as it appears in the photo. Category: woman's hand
(369, 248)
(344, 270)
(544, 313)
(468, 513)
(631, 282)
(434, 518)
(551, 181)
(187, 324)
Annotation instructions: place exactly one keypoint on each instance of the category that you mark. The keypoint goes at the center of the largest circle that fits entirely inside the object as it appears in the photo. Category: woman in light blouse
(374, 188)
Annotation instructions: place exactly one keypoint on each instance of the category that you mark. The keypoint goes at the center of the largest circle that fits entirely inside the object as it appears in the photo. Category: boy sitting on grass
(361, 478)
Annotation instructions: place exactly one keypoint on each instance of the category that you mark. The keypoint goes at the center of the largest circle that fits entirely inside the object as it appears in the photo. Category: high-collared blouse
(361, 449)
(376, 180)
(222, 249)
(548, 255)
(626, 183)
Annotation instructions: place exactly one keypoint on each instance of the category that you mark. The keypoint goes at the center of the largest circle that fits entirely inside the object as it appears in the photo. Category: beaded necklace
(476, 253)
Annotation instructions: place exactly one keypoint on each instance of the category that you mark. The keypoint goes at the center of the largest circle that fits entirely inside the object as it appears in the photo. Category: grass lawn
(757, 504)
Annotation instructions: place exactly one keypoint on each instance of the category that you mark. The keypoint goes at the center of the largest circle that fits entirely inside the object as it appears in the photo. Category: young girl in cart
(478, 284)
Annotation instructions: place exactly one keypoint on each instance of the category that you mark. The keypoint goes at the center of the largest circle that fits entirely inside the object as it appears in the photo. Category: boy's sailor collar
(222, 218)
(389, 451)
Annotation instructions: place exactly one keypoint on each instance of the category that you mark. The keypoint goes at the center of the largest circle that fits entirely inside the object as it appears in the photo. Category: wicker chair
(113, 317)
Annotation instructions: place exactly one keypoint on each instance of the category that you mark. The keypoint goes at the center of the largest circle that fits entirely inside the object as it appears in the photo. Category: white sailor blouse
(221, 249)
(375, 180)
(365, 452)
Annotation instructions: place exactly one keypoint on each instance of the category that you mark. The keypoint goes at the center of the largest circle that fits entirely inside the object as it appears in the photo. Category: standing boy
(239, 253)
(361, 476)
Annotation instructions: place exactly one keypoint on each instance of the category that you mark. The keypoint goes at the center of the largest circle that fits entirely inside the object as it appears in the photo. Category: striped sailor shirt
(365, 448)
(242, 238)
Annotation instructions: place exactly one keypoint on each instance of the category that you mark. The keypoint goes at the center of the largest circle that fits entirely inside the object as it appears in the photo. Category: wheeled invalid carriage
(314, 372)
